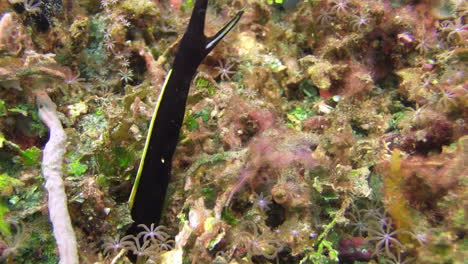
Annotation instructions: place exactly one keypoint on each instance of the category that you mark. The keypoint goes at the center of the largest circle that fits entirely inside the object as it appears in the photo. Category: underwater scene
(233, 131)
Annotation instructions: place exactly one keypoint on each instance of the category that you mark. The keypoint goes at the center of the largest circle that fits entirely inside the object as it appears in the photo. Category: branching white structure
(52, 171)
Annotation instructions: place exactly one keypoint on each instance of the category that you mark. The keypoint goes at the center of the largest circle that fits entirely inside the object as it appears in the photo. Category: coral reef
(328, 131)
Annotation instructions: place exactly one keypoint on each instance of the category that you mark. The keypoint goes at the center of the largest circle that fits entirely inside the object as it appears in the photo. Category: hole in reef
(358, 130)
(138, 66)
(276, 215)
(41, 22)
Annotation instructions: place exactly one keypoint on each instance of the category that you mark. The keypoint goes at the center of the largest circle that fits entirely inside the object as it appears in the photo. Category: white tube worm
(52, 160)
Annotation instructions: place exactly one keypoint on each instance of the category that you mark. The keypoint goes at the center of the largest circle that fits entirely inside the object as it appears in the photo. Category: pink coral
(13, 37)
(352, 249)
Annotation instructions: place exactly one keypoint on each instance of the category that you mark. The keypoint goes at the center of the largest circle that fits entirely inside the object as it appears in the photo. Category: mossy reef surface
(318, 131)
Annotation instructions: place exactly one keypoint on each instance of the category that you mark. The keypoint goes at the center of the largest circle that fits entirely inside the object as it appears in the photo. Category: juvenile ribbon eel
(150, 186)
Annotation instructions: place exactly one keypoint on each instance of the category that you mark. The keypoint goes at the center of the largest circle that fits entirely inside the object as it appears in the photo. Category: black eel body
(150, 187)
